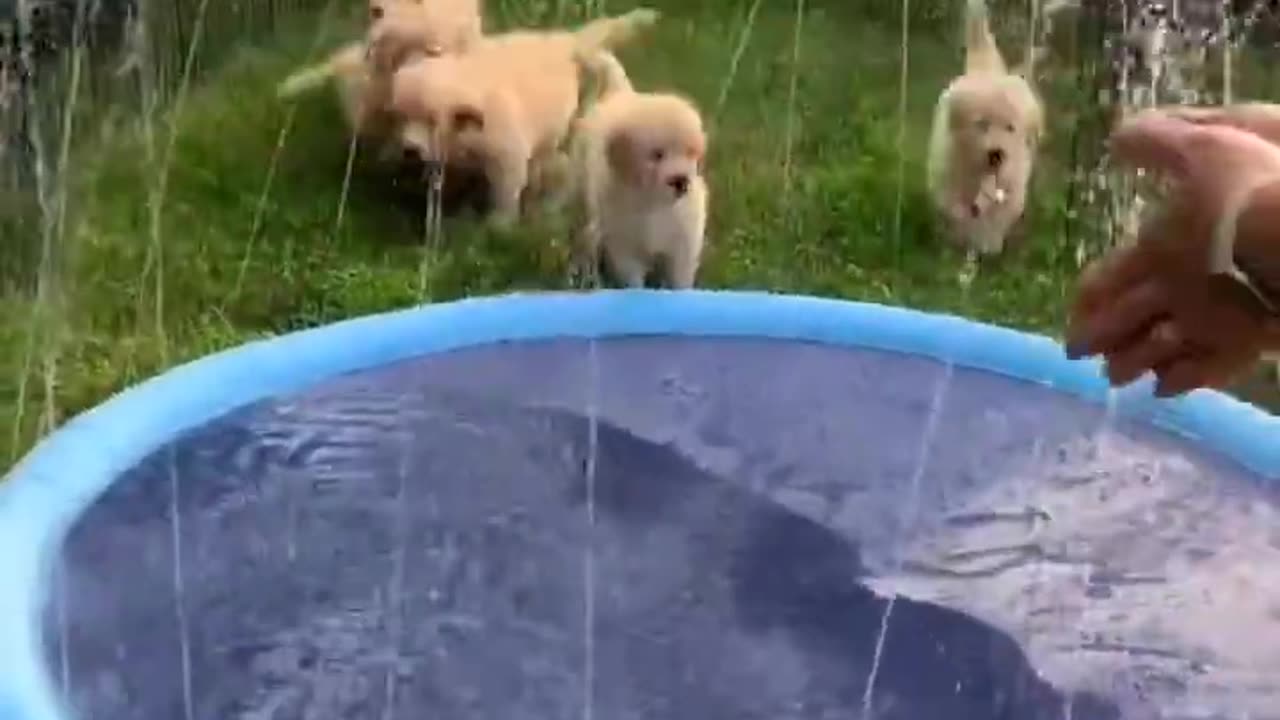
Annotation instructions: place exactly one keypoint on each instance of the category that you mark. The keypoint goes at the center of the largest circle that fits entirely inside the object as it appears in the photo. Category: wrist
(1246, 243)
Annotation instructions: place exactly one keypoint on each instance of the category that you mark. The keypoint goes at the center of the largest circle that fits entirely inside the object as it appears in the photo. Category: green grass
(128, 306)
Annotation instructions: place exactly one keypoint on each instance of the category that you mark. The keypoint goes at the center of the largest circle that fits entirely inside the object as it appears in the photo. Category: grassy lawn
(805, 199)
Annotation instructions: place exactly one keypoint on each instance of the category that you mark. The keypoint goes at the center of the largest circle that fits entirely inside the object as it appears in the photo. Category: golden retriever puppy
(362, 92)
(638, 161)
(987, 127)
(398, 31)
(505, 106)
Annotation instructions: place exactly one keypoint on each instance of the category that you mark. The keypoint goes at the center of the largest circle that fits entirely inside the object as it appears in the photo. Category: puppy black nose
(995, 158)
(679, 184)
(410, 154)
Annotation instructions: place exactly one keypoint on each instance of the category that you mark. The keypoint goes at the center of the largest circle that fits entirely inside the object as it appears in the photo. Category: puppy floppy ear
(620, 149)
(959, 112)
(467, 117)
(700, 155)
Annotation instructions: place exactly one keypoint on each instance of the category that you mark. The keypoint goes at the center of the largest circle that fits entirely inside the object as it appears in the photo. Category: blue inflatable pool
(644, 505)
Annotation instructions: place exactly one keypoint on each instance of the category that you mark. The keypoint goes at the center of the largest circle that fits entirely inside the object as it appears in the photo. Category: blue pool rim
(65, 473)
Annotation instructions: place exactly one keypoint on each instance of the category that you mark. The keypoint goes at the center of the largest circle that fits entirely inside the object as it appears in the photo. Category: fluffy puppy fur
(362, 92)
(505, 106)
(987, 127)
(638, 160)
(399, 30)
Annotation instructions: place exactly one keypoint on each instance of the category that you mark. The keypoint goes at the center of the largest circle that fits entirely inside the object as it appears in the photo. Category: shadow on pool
(438, 566)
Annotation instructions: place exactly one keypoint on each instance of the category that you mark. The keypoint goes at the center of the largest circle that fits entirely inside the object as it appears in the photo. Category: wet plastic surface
(417, 541)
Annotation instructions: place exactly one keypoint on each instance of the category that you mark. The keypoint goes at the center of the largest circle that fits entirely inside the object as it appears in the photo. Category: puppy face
(995, 128)
(402, 29)
(658, 147)
(442, 120)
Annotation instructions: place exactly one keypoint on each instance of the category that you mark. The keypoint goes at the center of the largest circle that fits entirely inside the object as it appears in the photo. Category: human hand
(1159, 304)
(1261, 119)
(1142, 310)
(1210, 169)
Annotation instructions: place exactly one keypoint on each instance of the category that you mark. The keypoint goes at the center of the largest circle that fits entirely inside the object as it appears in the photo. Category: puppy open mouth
(433, 172)
(679, 185)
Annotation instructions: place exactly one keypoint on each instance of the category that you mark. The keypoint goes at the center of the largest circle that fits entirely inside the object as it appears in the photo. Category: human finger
(1153, 140)
(1103, 280)
(1158, 251)
(1202, 369)
(1181, 376)
(1108, 329)
(1155, 348)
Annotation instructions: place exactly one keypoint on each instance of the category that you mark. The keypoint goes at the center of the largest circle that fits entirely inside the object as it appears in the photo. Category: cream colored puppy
(505, 106)
(638, 161)
(987, 127)
(399, 30)
(402, 28)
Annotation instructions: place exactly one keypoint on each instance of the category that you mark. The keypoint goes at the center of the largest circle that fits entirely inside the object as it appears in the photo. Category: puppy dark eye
(375, 12)
(1010, 128)
(657, 155)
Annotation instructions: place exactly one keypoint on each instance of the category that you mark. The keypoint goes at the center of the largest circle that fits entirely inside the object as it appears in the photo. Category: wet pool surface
(763, 530)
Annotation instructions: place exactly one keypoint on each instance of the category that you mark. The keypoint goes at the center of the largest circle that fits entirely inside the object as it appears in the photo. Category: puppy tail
(310, 78)
(610, 32)
(981, 54)
(608, 71)
(1053, 7)
(305, 80)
